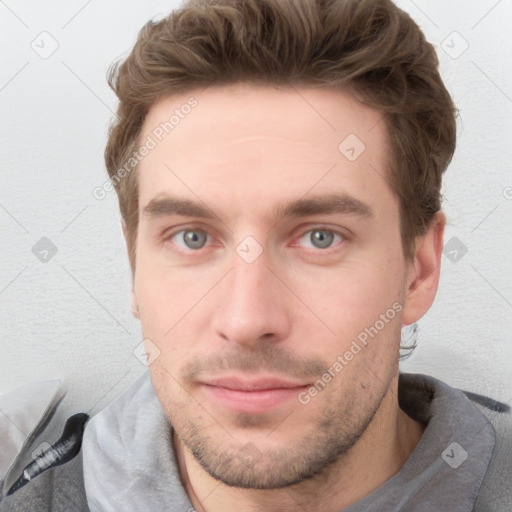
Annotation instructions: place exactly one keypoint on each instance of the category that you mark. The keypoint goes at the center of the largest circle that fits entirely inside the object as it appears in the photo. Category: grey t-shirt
(129, 463)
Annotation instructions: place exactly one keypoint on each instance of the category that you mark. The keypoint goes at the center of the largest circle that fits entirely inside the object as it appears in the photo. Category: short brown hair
(370, 47)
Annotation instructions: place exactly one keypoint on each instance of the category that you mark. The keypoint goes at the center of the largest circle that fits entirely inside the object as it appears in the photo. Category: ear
(423, 272)
(135, 307)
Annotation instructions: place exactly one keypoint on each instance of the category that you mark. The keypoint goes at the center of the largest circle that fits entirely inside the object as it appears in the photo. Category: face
(270, 277)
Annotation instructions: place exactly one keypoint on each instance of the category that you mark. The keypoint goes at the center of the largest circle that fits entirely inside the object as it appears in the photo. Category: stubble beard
(246, 465)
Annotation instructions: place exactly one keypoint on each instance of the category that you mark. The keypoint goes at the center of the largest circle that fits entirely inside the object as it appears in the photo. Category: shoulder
(496, 491)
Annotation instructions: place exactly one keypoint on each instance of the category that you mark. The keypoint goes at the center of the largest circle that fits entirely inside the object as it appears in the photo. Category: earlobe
(423, 276)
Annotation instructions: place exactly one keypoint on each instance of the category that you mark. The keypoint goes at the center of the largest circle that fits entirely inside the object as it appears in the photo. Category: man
(278, 166)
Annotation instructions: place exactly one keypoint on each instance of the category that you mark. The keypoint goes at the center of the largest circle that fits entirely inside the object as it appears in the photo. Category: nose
(252, 304)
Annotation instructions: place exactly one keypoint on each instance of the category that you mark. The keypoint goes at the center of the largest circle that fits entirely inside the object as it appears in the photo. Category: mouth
(251, 396)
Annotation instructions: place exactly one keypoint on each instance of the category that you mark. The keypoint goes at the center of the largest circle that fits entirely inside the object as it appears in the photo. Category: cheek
(153, 302)
(348, 301)
(172, 309)
(351, 291)
(164, 294)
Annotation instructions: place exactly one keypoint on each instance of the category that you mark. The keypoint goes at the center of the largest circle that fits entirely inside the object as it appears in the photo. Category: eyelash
(343, 235)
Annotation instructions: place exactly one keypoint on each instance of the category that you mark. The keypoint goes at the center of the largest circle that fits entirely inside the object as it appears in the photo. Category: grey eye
(195, 239)
(321, 239)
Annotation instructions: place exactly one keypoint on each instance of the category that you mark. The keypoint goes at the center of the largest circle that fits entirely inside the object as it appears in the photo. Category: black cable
(65, 449)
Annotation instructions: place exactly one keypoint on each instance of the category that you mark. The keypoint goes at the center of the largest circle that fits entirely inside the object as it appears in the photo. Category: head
(285, 225)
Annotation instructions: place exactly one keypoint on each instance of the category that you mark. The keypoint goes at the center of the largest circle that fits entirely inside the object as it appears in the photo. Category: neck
(378, 455)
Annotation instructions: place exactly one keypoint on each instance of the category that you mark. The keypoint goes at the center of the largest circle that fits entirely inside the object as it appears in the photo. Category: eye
(320, 238)
(190, 239)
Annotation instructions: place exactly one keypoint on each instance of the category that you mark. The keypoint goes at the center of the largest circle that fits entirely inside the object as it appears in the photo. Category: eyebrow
(167, 206)
(325, 204)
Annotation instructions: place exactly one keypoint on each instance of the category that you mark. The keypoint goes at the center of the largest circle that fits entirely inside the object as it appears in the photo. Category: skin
(244, 153)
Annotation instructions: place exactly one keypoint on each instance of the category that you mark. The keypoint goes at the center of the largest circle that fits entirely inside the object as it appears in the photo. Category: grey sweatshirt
(129, 464)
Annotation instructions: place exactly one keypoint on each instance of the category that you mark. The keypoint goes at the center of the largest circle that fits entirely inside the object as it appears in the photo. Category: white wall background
(70, 318)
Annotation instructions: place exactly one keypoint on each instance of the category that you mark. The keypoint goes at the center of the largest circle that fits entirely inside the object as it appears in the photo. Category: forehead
(252, 141)
(287, 115)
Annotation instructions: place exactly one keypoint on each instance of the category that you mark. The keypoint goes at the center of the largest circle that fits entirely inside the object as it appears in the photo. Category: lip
(256, 384)
(253, 396)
